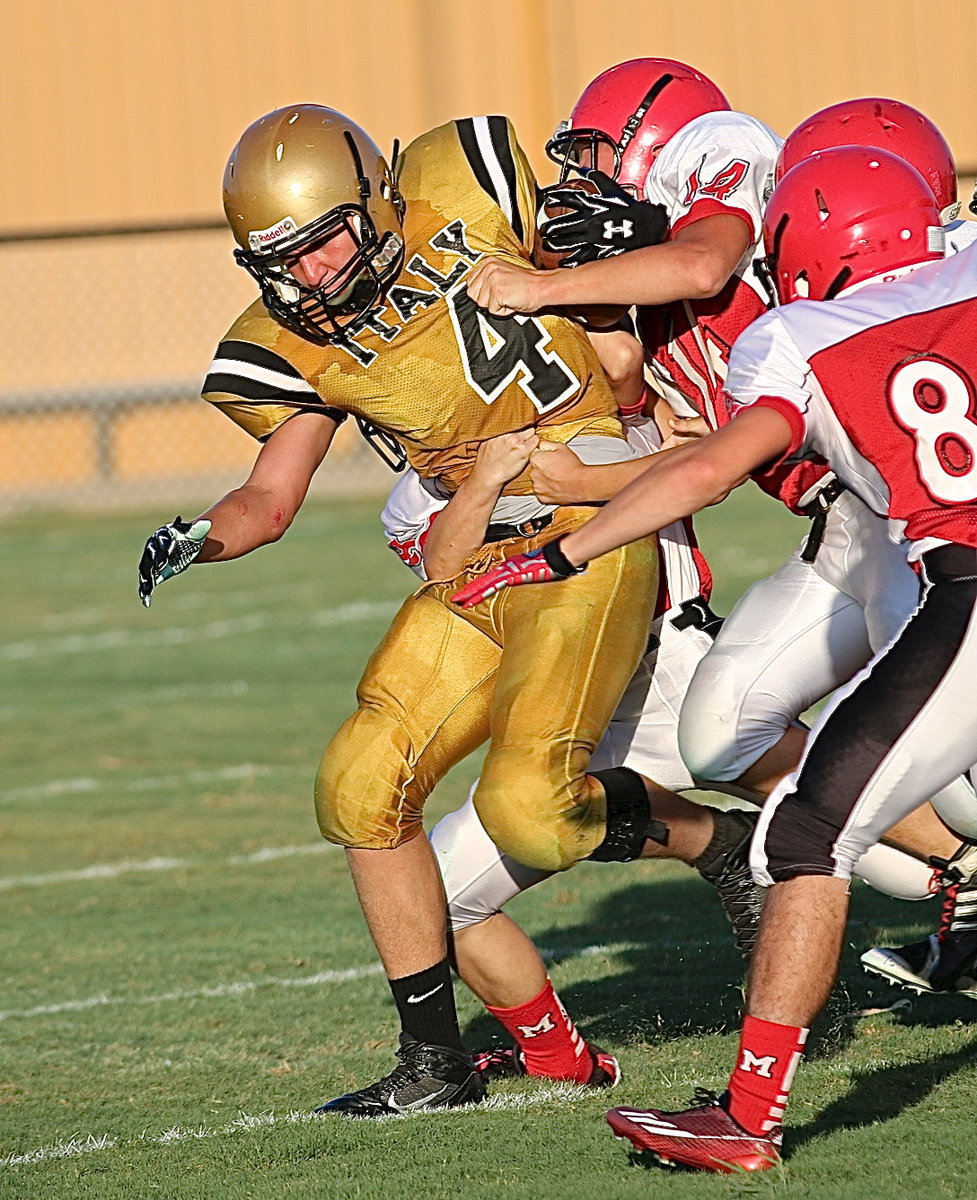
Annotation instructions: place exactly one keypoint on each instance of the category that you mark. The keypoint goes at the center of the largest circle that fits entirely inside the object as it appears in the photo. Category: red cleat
(508, 1063)
(704, 1137)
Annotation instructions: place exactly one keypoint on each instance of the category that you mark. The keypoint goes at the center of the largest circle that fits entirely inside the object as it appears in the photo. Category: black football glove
(599, 226)
(170, 550)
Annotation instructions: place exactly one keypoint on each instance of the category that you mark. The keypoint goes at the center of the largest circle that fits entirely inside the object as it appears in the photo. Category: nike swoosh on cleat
(418, 999)
(395, 1107)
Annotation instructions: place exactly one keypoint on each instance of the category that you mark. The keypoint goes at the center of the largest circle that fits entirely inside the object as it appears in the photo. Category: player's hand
(502, 458)
(170, 550)
(684, 430)
(504, 289)
(545, 565)
(557, 474)
(601, 225)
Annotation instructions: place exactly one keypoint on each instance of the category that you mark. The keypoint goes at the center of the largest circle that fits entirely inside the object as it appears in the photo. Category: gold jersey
(429, 366)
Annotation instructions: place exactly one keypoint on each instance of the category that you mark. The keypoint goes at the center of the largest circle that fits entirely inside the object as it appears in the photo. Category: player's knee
(723, 728)
(622, 358)
(533, 839)
(802, 838)
(529, 813)
(360, 790)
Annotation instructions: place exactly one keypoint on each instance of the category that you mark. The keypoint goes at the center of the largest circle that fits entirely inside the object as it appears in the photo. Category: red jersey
(882, 382)
(720, 163)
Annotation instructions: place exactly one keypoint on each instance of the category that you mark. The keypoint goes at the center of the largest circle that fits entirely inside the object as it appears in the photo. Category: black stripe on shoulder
(257, 356)
(469, 143)
(243, 388)
(499, 132)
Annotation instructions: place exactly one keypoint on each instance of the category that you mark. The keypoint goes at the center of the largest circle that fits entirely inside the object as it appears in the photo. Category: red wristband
(636, 409)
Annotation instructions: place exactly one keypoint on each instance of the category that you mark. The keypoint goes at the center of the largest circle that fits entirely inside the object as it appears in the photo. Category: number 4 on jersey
(497, 351)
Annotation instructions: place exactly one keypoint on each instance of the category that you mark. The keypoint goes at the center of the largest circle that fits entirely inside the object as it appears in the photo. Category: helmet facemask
(325, 311)
(576, 151)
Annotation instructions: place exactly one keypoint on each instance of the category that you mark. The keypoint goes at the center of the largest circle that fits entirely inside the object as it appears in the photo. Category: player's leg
(901, 725)
(569, 651)
(644, 737)
(496, 959)
(790, 640)
(423, 706)
(500, 964)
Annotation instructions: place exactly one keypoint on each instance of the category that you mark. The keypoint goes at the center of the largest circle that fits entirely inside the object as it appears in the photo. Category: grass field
(185, 971)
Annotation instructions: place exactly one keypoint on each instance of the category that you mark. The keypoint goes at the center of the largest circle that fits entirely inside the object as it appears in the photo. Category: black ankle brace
(629, 824)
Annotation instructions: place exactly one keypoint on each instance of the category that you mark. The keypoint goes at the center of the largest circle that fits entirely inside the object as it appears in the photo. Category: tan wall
(119, 110)
(123, 111)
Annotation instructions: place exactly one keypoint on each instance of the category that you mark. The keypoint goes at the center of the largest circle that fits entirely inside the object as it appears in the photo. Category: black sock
(426, 1003)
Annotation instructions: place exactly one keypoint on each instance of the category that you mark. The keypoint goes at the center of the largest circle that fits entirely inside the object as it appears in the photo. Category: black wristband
(554, 558)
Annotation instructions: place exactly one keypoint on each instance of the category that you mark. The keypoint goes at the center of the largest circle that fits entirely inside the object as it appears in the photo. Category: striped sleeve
(499, 164)
(259, 390)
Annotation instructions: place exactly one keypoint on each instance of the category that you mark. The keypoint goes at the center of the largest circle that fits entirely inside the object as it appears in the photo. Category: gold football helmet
(296, 178)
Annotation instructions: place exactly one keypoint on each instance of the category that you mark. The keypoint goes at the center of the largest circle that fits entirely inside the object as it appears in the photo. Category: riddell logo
(758, 1066)
(259, 238)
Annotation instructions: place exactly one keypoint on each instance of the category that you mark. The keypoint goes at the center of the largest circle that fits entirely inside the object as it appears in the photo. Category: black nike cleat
(508, 1063)
(427, 1077)
(725, 864)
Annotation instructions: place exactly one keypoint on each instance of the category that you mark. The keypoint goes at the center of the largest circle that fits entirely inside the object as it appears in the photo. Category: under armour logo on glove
(170, 550)
(625, 230)
(545, 565)
(596, 225)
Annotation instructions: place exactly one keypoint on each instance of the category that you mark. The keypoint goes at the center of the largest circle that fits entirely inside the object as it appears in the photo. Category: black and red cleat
(704, 1137)
(508, 1063)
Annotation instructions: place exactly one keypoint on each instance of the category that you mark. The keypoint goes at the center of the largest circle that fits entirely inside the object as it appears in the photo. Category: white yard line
(148, 637)
(132, 866)
(142, 783)
(247, 1122)
(148, 698)
(245, 986)
(239, 987)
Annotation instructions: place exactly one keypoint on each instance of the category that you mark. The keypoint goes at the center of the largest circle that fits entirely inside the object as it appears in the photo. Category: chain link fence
(107, 337)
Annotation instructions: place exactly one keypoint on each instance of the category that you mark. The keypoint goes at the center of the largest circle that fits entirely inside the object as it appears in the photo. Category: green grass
(165, 1027)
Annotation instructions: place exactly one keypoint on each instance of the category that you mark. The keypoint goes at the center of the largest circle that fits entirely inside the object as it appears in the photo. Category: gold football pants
(537, 669)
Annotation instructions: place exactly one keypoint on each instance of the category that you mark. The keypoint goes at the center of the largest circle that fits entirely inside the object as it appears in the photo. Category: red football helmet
(632, 109)
(889, 125)
(845, 215)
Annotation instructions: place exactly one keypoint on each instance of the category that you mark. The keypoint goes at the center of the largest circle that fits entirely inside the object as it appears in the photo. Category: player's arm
(680, 483)
(695, 264)
(253, 515)
(262, 508)
(622, 359)
(460, 527)
(673, 486)
(560, 477)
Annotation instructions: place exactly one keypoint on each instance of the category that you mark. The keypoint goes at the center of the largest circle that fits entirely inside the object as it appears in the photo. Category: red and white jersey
(719, 164)
(413, 507)
(882, 382)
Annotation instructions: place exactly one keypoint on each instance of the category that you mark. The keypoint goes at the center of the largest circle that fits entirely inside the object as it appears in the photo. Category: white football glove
(170, 550)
